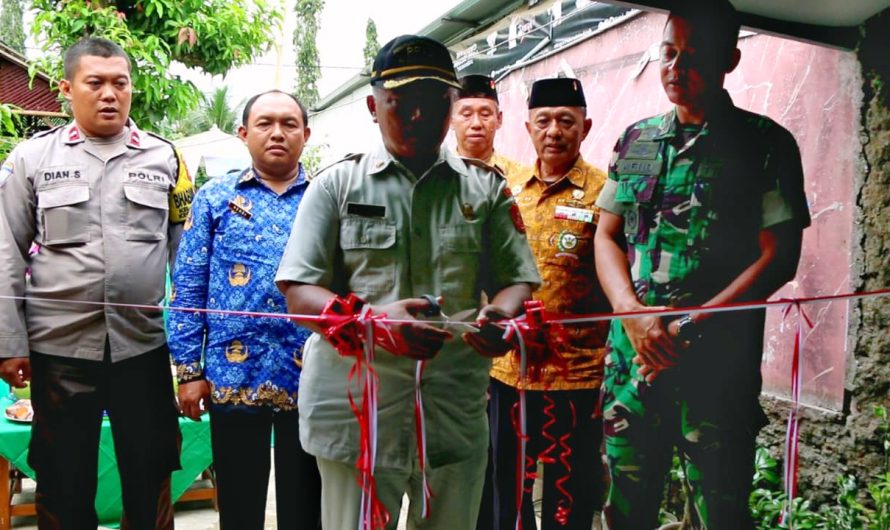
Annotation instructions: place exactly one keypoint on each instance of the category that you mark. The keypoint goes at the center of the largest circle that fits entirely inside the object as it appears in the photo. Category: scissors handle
(434, 310)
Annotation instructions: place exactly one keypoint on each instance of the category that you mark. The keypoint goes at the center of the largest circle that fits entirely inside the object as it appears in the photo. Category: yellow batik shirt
(560, 221)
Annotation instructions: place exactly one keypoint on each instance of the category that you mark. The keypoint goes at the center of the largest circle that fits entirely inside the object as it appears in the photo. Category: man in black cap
(476, 118)
(704, 206)
(390, 226)
(556, 198)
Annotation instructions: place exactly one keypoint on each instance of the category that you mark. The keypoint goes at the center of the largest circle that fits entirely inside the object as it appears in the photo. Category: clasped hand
(656, 345)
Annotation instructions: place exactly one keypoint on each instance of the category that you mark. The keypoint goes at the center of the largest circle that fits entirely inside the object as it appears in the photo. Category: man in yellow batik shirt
(556, 199)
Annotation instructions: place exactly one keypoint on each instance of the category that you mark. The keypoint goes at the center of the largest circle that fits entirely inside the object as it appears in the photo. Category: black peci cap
(557, 92)
(412, 58)
(478, 86)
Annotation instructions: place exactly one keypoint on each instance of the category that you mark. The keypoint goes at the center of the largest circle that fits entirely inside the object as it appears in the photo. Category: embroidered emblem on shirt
(239, 275)
(567, 241)
(236, 352)
(241, 206)
(577, 194)
(467, 210)
(6, 170)
(517, 217)
(73, 134)
(135, 139)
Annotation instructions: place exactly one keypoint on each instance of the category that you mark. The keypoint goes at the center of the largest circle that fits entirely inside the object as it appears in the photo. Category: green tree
(11, 25)
(212, 36)
(372, 45)
(9, 135)
(308, 69)
(214, 110)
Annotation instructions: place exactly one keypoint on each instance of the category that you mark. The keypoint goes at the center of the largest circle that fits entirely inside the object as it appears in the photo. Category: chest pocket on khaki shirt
(368, 254)
(64, 214)
(459, 259)
(147, 208)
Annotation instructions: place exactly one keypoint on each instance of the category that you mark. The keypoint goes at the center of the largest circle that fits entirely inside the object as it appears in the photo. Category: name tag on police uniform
(574, 214)
(365, 210)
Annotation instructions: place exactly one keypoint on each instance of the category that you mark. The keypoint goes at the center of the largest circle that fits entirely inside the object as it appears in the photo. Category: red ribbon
(420, 427)
(792, 435)
(351, 328)
(543, 339)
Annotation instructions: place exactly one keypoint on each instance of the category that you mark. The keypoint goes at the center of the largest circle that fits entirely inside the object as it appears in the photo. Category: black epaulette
(478, 163)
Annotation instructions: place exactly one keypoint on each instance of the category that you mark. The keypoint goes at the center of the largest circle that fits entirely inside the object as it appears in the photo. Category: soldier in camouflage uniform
(704, 205)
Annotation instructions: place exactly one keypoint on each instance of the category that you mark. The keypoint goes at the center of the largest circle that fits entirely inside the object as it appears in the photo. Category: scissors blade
(464, 316)
(460, 321)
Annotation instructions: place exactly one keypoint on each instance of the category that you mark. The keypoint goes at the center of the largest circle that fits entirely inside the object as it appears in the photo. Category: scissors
(460, 321)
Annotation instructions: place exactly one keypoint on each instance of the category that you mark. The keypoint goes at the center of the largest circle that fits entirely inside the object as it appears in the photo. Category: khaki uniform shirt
(105, 231)
(561, 221)
(367, 225)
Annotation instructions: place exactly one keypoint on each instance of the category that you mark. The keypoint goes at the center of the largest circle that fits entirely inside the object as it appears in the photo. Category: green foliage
(210, 35)
(12, 26)
(372, 45)
(201, 177)
(311, 158)
(307, 62)
(879, 491)
(9, 135)
(214, 110)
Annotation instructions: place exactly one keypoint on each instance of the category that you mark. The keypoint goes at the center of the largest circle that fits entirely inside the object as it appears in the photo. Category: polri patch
(366, 210)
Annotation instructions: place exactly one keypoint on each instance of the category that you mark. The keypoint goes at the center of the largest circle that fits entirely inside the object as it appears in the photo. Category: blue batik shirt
(228, 257)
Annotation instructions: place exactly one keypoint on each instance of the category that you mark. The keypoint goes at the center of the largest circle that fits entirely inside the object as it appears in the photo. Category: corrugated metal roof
(17, 89)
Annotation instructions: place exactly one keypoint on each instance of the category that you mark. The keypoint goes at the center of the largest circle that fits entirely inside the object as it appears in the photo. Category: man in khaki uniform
(556, 198)
(104, 201)
(408, 219)
(475, 119)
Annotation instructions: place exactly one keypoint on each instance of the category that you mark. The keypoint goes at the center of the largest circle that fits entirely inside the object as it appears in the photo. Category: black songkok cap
(410, 58)
(557, 92)
(478, 86)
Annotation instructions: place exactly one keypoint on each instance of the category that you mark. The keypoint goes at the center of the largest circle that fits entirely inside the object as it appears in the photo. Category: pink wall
(814, 92)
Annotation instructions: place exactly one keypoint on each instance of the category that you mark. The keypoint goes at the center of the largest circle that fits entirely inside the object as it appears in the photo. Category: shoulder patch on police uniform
(6, 171)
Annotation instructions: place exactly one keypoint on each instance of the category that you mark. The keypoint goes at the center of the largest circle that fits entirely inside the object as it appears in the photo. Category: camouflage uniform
(693, 202)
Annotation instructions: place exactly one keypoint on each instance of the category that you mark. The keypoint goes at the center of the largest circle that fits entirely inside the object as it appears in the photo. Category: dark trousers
(578, 436)
(69, 396)
(241, 438)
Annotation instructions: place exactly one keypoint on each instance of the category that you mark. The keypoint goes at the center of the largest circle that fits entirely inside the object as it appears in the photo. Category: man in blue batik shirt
(248, 379)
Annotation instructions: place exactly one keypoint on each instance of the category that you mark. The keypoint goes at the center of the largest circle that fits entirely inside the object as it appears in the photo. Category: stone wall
(848, 443)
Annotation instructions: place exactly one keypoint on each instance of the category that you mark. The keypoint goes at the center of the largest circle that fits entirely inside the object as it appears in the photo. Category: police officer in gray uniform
(104, 201)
